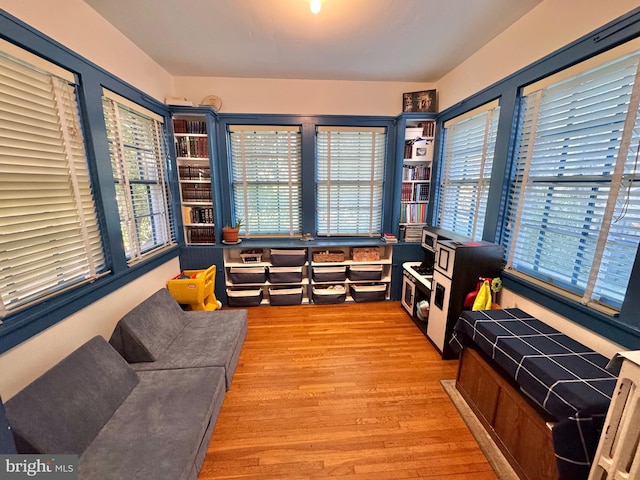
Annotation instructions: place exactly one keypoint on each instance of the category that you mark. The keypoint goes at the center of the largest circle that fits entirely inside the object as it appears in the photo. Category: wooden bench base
(518, 427)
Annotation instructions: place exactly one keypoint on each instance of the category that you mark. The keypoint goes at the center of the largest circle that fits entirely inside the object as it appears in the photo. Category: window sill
(602, 321)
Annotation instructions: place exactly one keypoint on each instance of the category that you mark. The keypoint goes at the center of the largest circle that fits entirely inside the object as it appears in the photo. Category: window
(137, 147)
(469, 143)
(49, 235)
(266, 163)
(573, 219)
(349, 180)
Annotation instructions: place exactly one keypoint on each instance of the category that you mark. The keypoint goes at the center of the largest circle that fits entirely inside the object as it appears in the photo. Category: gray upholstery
(122, 424)
(199, 339)
(144, 333)
(209, 339)
(7, 445)
(64, 409)
(161, 430)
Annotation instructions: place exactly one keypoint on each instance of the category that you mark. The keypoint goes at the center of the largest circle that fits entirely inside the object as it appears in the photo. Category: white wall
(546, 28)
(305, 97)
(81, 29)
(78, 27)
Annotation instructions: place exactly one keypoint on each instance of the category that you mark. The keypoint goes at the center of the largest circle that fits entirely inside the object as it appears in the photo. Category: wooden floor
(346, 391)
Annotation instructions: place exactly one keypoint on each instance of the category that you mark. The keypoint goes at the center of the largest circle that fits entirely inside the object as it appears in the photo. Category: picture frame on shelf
(422, 150)
(422, 101)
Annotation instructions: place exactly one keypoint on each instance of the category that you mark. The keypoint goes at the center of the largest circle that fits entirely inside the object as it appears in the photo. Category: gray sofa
(149, 419)
(159, 335)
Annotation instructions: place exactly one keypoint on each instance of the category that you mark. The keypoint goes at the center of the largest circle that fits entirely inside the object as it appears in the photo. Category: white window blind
(574, 212)
(349, 180)
(266, 166)
(137, 147)
(469, 143)
(49, 235)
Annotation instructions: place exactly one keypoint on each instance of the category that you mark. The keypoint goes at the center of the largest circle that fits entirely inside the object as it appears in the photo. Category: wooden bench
(539, 393)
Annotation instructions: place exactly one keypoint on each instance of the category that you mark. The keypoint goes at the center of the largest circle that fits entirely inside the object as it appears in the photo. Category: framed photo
(424, 101)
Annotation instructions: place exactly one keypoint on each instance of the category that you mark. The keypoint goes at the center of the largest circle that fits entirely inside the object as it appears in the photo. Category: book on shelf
(182, 126)
(389, 238)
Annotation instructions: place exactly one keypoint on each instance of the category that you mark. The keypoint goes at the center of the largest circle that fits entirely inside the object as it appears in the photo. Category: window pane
(574, 200)
(349, 180)
(466, 171)
(137, 146)
(49, 234)
(266, 164)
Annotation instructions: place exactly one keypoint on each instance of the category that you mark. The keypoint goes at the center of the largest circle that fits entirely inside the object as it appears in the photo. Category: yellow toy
(194, 288)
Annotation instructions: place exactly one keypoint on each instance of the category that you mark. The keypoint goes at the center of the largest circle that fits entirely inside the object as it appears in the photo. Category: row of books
(201, 235)
(189, 126)
(196, 192)
(192, 147)
(190, 172)
(411, 233)
(413, 213)
(415, 192)
(198, 214)
(416, 172)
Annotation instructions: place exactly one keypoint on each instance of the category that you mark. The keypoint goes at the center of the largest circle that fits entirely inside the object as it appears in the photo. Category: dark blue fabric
(7, 444)
(567, 379)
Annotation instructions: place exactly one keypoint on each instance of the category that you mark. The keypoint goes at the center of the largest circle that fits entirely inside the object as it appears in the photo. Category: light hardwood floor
(346, 391)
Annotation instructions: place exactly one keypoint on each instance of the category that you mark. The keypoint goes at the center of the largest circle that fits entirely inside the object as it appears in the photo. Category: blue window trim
(308, 124)
(23, 324)
(624, 328)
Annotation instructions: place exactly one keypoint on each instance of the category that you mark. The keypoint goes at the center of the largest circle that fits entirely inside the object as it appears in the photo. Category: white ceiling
(363, 40)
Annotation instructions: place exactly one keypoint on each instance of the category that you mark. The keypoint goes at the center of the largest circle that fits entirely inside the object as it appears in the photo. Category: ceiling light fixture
(315, 6)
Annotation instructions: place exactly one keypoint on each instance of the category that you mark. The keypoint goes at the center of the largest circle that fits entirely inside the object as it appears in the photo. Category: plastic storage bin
(329, 274)
(248, 297)
(288, 257)
(365, 272)
(285, 296)
(194, 289)
(285, 274)
(324, 295)
(247, 274)
(368, 293)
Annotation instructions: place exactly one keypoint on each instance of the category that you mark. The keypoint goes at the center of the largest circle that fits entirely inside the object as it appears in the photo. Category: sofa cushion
(7, 445)
(147, 330)
(160, 430)
(208, 339)
(63, 410)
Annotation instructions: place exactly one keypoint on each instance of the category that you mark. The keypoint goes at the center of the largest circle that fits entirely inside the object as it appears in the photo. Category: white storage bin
(285, 274)
(285, 296)
(288, 257)
(244, 297)
(337, 294)
(368, 293)
(330, 274)
(247, 275)
(365, 272)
